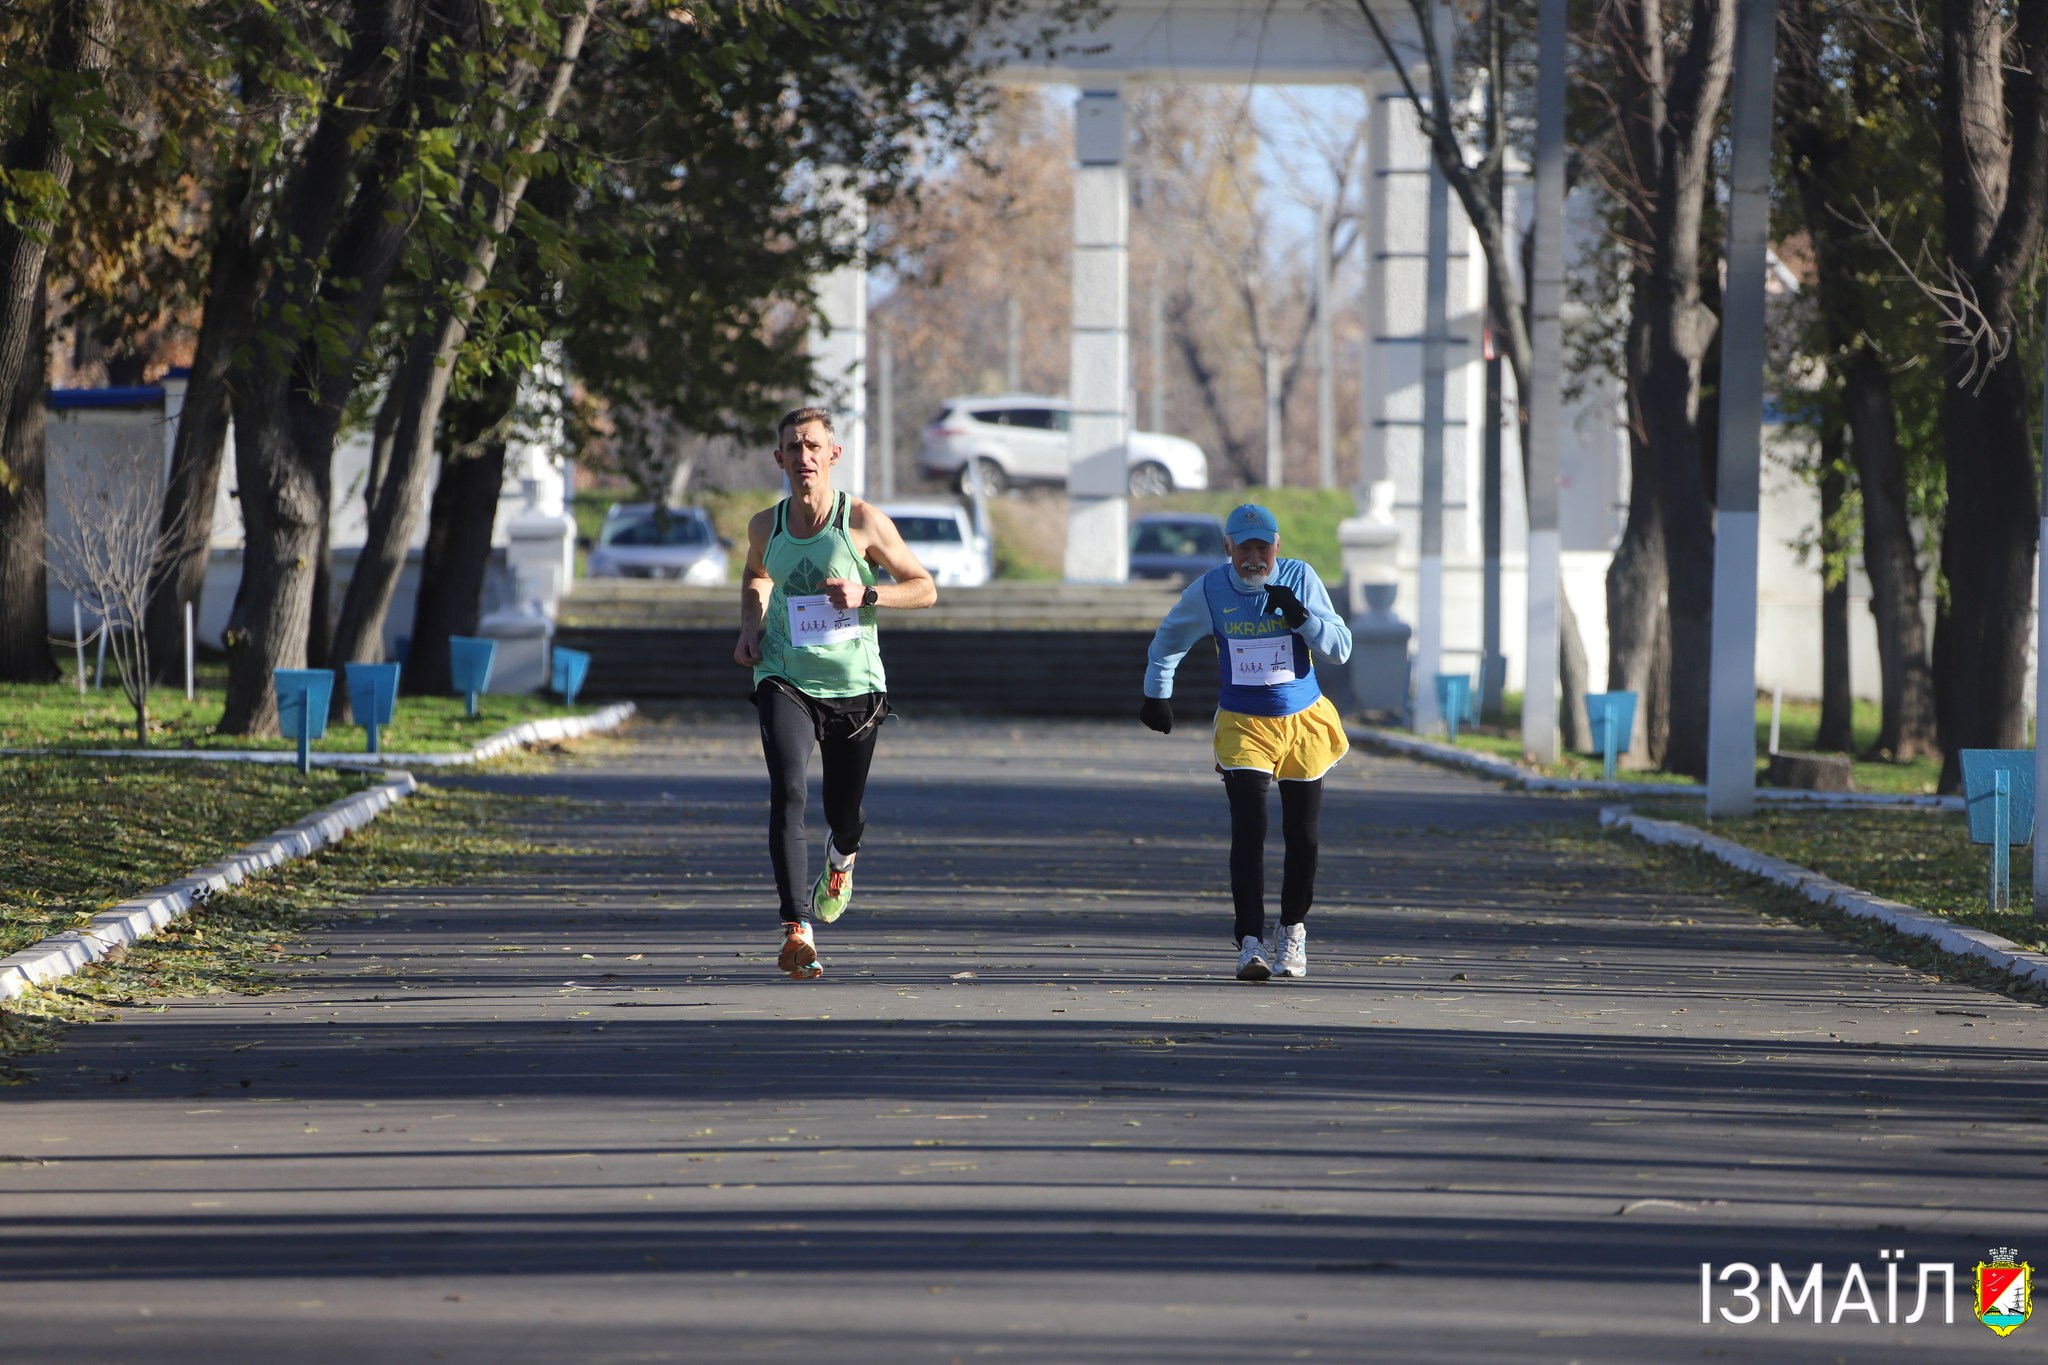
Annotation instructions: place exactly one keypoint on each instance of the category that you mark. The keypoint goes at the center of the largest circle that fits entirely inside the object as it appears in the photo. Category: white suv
(1022, 438)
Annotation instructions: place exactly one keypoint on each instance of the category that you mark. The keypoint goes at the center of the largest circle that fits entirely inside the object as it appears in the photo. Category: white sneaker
(1290, 951)
(1252, 963)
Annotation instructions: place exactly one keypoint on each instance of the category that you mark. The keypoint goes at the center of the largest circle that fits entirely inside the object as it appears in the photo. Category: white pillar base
(1429, 642)
(1731, 698)
(1098, 532)
(1540, 686)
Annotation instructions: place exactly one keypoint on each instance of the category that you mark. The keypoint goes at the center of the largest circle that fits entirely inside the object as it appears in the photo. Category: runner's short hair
(796, 417)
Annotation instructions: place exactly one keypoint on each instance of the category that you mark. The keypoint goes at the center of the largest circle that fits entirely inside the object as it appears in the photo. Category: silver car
(1022, 438)
(633, 544)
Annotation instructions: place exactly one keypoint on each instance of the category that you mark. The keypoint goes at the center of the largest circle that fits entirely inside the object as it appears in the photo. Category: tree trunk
(1635, 611)
(1672, 332)
(459, 525)
(1661, 627)
(1837, 704)
(423, 384)
(1987, 555)
(200, 447)
(76, 41)
(290, 394)
(283, 507)
(1905, 678)
(382, 433)
(1815, 117)
(1574, 677)
(24, 576)
(1994, 131)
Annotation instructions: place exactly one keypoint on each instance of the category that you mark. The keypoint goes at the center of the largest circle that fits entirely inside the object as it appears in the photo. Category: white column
(1731, 711)
(1158, 320)
(1326, 364)
(174, 386)
(1546, 292)
(1400, 186)
(1099, 368)
(885, 403)
(1370, 467)
(1013, 345)
(1429, 608)
(1275, 473)
(838, 341)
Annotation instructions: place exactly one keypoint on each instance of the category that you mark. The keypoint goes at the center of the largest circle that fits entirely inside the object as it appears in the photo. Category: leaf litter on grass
(440, 836)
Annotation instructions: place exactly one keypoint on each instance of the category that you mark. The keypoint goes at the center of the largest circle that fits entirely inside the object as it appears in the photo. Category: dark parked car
(1181, 546)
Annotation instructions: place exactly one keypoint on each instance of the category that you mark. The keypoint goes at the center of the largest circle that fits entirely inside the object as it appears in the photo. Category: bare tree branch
(1963, 320)
(103, 549)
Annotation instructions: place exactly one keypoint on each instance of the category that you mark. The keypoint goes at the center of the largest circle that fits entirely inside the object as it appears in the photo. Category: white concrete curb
(1977, 943)
(1450, 756)
(134, 920)
(528, 732)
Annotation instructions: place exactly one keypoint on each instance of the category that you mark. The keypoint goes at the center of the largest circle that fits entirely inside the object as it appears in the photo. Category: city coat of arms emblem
(2005, 1290)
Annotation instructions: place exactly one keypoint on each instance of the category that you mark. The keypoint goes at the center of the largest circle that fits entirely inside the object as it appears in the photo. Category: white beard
(1252, 582)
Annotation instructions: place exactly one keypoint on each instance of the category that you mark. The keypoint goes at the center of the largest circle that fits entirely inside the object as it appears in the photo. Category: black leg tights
(787, 734)
(1301, 826)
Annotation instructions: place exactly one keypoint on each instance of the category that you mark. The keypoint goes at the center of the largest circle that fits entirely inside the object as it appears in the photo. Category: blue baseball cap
(1249, 521)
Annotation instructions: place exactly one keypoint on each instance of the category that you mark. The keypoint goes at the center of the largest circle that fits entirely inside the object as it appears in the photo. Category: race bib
(1264, 662)
(814, 621)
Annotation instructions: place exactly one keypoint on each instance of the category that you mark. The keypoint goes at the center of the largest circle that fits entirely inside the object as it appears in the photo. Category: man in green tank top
(807, 629)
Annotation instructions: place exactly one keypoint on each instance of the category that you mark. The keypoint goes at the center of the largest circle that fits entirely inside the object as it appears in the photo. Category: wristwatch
(871, 596)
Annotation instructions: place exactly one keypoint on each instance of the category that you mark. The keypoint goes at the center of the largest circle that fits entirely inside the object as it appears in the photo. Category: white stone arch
(1282, 42)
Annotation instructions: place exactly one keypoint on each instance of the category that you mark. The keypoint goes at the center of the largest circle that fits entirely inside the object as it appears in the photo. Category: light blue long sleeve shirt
(1218, 604)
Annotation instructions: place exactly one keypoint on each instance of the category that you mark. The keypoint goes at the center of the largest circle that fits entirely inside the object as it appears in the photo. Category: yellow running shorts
(1297, 748)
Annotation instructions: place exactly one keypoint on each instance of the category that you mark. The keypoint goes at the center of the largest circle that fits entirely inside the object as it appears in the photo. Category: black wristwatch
(871, 596)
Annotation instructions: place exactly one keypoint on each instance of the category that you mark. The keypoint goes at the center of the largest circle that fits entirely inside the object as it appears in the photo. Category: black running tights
(1301, 825)
(787, 733)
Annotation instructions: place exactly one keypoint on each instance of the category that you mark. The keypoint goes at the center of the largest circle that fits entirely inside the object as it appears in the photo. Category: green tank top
(805, 641)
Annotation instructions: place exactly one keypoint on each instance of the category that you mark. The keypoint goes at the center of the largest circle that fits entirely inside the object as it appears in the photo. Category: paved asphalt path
(573, 1114)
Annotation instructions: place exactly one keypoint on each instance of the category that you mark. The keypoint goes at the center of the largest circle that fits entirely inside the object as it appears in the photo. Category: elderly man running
(1272, 721)
(807, 629)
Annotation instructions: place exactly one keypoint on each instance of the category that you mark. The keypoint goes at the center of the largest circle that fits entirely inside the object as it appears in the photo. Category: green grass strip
(59, 716)
(1919, 858)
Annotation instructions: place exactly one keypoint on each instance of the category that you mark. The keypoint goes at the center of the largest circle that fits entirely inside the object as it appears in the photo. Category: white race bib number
(814, 621)
(1265, 662)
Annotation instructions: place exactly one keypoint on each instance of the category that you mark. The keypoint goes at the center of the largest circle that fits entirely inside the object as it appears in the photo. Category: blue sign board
(469, 665)
(1998, 796)
(1613, 717)
(303, 695)
(569, 668)
(372, 697)
(1452, 691)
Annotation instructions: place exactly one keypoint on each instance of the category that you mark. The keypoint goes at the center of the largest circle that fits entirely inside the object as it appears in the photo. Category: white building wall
(136, 441)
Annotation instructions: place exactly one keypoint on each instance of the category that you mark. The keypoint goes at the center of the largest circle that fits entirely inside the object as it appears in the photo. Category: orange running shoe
(799, 956)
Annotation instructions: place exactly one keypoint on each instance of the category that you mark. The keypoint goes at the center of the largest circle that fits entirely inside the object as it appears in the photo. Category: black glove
(1287, 604)
(1157, 713)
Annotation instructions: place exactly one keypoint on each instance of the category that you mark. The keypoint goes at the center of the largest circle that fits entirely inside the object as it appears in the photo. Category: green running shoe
(831, 892)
